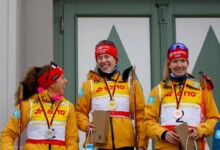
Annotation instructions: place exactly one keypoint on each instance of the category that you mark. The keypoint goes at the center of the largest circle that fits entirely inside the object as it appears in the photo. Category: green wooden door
(67, 43)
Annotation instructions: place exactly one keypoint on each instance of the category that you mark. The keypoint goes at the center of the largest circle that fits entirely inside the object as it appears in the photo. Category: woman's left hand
(194, 133)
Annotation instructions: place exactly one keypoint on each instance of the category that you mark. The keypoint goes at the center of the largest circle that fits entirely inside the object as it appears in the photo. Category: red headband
(177, 53)
(106, 49)
(49, 77)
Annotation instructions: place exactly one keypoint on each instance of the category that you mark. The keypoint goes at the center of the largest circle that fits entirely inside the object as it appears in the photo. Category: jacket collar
(92, 75)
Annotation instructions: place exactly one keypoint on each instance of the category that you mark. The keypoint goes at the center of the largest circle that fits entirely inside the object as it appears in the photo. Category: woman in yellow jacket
(48, 117)
(179, 98)
(109, 86)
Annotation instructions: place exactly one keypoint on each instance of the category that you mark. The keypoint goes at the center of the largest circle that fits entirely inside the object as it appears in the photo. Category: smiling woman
(169, 103)
(48, 117)
(106, 56)
(110, 91)
(177, 62)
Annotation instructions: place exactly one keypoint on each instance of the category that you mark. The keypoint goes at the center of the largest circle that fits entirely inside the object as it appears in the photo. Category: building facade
(66, 31)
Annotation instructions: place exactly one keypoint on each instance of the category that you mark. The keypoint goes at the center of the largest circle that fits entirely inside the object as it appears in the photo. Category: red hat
(177, 50)
(50, 76)
(106, 49)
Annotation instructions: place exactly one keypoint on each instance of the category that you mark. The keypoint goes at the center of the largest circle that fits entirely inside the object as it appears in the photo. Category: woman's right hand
(90, 128)
(172, 137)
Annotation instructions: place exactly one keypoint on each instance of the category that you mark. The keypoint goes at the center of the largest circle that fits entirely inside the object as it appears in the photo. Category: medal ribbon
(49, 123)
(109, 91)
(175, 94)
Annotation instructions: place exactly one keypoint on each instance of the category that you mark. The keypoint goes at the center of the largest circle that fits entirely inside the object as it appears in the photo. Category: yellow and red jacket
(161, 104)
(33, 119)
(94, 96)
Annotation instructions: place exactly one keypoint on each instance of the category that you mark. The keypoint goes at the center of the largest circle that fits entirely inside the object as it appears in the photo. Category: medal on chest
(178, 113)
(112, 103)
(50, 133)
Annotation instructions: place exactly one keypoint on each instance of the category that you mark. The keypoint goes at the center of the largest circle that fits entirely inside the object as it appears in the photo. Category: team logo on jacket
(150, 100)
(58, 112)
(111, 87)
(81, 93)
(17, 113)
(217, 134)
(185, 93)
(196, 84)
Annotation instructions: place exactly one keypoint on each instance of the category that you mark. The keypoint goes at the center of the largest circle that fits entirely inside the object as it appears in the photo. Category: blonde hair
(166, 71)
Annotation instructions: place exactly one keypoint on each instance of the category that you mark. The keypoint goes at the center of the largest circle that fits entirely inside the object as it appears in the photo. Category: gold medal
(112, 105)
(177, 113)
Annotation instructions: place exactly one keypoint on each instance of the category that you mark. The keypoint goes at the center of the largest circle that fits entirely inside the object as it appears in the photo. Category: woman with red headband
(48, 117)
(179, 98)
(108, 90)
